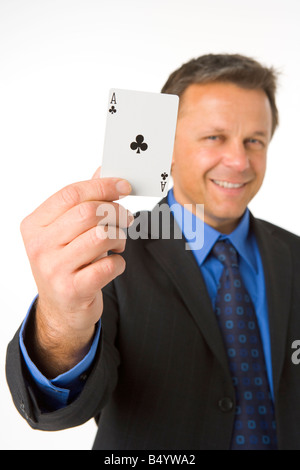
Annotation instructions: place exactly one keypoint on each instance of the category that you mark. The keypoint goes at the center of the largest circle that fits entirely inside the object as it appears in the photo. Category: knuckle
(97, 235)
(108, 267)
(112, 266)
(24, 225)
(101, 189)
(70, 195)
(50, 272)
(33, 247)
(86, 211)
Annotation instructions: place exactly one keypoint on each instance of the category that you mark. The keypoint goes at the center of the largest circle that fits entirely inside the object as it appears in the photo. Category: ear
(172, 162)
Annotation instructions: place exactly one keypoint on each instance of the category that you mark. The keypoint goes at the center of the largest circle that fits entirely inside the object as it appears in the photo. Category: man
(182, 349)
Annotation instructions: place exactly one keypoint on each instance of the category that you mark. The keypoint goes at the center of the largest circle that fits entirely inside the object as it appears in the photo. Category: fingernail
(123, 187)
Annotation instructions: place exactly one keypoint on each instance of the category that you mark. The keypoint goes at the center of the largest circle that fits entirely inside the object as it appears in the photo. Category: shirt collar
(241, 238)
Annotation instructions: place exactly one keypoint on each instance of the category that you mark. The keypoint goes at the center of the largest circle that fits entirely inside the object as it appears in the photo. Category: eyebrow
(221, 130)
(217, 129)
(261, 133)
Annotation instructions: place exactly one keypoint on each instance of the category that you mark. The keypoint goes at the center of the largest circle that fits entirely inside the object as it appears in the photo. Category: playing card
(139, 139)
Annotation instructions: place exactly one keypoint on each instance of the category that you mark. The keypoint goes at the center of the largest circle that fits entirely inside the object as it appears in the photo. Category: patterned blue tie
(254, 426)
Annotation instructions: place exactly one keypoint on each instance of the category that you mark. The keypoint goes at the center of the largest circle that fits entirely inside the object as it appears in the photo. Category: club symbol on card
(163, 183)
(139, 144)
(112, 110)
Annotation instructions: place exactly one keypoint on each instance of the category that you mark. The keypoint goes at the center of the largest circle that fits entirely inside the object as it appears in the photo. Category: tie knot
(226, 253)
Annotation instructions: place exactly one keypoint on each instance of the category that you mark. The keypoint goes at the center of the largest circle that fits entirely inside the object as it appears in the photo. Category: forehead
(226, 103)
(222, 94)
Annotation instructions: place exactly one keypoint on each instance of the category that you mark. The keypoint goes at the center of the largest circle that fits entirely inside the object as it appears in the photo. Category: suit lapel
(181, 266)
(276, 259)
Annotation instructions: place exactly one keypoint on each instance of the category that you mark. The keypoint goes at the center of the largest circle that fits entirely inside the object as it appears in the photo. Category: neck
(225, 226)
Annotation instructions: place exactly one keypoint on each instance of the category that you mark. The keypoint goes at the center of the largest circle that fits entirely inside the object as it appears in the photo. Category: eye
(213, 137)
(255, 143)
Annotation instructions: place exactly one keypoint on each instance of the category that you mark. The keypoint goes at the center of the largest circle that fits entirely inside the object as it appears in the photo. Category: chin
(227, 216)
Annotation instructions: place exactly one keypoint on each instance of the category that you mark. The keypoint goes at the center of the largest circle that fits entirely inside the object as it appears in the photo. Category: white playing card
(139, 139)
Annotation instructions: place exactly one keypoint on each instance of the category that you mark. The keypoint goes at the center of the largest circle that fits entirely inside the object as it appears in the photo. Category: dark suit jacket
(160, 379)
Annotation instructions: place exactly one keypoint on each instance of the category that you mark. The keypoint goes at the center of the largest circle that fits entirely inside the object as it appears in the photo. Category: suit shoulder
(283, 234)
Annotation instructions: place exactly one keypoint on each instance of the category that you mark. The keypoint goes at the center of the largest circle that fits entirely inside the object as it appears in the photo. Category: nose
(235, 156)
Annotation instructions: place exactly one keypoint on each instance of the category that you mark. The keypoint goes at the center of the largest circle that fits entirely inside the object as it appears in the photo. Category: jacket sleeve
(99, 385)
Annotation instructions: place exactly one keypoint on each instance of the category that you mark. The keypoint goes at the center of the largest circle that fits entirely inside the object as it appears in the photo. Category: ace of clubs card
(139, 139)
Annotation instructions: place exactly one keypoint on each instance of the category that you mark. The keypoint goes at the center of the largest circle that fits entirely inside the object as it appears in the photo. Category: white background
(58, 59)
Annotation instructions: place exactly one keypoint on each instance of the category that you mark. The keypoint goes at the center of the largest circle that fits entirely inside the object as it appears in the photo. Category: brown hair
(235, 68)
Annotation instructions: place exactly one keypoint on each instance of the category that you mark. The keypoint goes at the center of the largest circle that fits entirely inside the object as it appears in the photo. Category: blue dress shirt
(64, 388)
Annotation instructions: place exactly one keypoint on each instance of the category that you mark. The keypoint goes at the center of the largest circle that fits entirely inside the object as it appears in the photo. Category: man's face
(220, 150)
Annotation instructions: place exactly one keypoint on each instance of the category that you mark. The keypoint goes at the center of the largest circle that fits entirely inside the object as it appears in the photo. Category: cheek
(259, 166)
(193, 158)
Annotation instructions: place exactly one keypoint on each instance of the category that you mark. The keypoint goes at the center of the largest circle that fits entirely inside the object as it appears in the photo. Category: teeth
(226, 184)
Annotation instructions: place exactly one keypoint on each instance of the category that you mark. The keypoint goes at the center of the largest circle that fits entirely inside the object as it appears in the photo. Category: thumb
(97, 173)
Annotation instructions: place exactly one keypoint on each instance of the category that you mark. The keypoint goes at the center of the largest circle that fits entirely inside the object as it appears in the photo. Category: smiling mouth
(228, 184)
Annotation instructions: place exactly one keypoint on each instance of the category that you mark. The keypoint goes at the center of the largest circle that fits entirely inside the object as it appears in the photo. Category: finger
(97, 173)
(91, 245)
(100, 257)
(83, 217)
(97, 275)
(100, 189)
